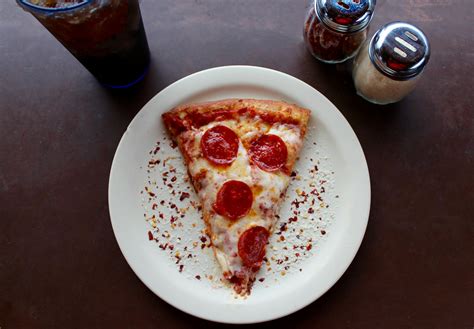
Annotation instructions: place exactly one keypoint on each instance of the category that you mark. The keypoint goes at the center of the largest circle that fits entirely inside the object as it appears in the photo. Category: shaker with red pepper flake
(334, 30)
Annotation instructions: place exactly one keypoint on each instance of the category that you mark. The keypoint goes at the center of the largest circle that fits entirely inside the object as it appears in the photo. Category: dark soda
(106, 36)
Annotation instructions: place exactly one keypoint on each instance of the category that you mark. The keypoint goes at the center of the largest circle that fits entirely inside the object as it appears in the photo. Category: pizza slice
(239, 154)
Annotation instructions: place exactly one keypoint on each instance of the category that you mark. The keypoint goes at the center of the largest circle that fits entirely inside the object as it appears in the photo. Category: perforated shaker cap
(399, 50)
(345, 16)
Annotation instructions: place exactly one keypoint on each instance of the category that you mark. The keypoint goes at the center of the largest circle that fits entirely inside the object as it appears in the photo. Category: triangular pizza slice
(240, 154)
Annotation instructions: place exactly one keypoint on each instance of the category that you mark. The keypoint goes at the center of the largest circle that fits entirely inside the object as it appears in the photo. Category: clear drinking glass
(106, 36)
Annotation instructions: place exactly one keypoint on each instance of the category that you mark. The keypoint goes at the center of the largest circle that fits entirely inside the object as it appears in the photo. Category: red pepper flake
(283, 228)
(150, 235)
(309, 247)
(153, 162)
(184, 195)
(296, 203)
(323, 232)
(261, 279)
(173, 219)
(165, 174)
(161, 215)
(173, 179)
(173, 144)
(181, 268)
(150, 193)
(163, 246)
(293, 219)
(170, 185)
(154, 206)
(171, 247)
(310, 210)
(162, 202)
(173, 206)
(282, 238)
(198, 277)
(293, 174)
(203, 239)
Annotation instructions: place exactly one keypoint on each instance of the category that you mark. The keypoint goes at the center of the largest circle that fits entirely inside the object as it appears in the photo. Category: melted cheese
(267, 187)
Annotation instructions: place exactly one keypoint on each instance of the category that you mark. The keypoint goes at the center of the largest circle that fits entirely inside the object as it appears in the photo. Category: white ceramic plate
(343, 157)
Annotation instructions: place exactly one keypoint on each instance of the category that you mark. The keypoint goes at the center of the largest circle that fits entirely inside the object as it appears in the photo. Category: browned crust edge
(279, 111)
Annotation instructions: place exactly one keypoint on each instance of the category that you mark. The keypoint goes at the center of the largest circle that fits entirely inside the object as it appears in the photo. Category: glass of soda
(106, 36)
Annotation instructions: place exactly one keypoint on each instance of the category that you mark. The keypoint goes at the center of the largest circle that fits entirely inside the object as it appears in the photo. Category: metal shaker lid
(345, 16)
(399, 50)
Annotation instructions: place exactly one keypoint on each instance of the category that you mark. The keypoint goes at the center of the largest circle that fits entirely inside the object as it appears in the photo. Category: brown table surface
(60, 266)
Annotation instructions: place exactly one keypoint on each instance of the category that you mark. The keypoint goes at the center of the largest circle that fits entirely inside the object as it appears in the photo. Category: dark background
(60, 266)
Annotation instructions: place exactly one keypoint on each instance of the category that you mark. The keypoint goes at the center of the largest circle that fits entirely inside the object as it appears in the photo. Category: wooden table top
(60, 266)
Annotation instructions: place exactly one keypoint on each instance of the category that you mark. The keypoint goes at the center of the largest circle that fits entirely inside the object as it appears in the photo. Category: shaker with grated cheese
(389, 66)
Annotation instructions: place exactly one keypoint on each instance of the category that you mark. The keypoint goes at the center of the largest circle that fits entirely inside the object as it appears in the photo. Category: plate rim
(356, 243)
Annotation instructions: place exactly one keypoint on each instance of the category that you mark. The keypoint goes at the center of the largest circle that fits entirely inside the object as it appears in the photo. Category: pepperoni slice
(220, 145)
(234, 200)
(269, 152)
(252, 246)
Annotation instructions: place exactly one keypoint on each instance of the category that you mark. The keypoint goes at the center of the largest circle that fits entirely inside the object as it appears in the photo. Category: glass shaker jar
(389, 66)
(334, 30)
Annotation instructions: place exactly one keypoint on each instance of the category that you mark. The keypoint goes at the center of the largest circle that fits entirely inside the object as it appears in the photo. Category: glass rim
(53, 10)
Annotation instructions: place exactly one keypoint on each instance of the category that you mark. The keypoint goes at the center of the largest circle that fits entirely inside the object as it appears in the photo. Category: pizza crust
(274, 111)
